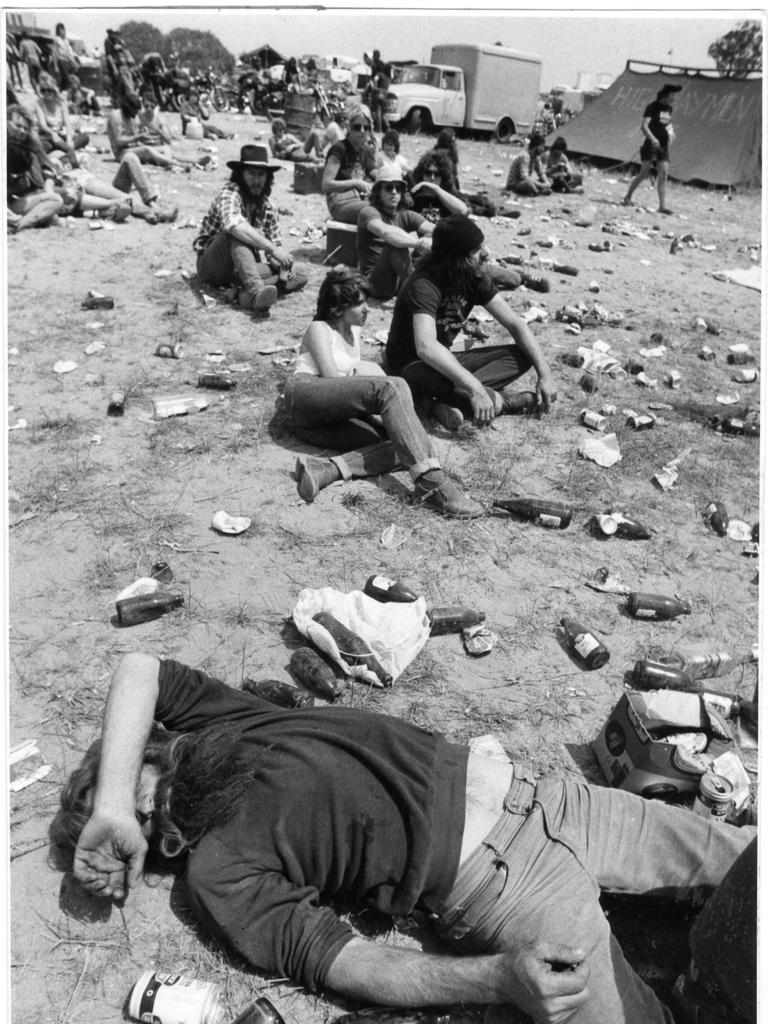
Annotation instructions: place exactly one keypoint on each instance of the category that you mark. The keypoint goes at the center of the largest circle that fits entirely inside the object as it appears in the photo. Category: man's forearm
(243, 232)
(128, 719)
(402, 977)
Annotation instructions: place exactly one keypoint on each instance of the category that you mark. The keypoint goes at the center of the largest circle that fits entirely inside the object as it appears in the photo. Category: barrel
(299, 114)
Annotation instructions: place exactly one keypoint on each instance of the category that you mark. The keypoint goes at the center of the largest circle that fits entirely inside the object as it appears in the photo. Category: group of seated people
(529, 175)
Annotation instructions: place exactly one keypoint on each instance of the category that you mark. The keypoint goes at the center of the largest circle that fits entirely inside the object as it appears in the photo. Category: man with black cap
(239, 242)
(658, 132)
(387, 233)
(430, 311)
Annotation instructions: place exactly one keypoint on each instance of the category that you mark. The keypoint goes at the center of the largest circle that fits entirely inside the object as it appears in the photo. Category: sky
(601, 41)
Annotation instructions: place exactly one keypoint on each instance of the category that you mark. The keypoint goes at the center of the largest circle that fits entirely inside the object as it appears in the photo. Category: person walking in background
(64, 57)
(239, 243)
(658, 133)
(31, 55)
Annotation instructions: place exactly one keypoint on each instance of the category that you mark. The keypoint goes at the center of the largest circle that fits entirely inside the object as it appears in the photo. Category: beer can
(116, 404)
(641, 422)
(170, 351)
(707, 354)
(715, 797)
(673, 379)
(160, 998)
(748, 376)
(593, 419)
(219, 381)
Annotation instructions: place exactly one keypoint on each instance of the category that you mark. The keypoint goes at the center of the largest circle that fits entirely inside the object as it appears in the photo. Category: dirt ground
(96, 500)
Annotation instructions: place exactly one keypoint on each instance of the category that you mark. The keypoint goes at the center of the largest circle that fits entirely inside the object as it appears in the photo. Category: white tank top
(346, 357)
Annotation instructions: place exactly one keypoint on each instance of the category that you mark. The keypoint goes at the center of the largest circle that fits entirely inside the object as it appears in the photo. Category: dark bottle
(353, 649)
(116, 404)
(314, 673)
(543, 511)
(564, 268)
(163, 572)
(629, 529)
(452, 619)
(735, 425)
(144, 607)
(219, 381)
(383, 589)
(260, 1012)
(716, 516)
(655, 606)
(277, 692)
(728, 705)
(584, 643)
(740, 359)
(633, 367)
(657, 675)
(93, 300)
(756, 533)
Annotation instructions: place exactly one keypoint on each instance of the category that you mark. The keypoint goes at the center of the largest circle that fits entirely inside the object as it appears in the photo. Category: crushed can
(95, 300)
(168, 350)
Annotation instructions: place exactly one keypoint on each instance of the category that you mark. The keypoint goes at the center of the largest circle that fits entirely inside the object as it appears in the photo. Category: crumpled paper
(395, 632)
(604, 450)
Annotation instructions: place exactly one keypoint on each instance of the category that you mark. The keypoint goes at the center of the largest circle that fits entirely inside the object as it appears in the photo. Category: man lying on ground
(239, 242)
(276, 808)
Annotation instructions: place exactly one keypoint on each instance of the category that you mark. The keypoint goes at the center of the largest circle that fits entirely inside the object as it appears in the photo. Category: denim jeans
(389, 271)
(345, 206)
(538, 875)
(335, 412)
(228, 261)
(495, 366)
(130, 174)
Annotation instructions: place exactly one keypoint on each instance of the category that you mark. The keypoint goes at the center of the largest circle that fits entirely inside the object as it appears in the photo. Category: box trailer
(476, 86)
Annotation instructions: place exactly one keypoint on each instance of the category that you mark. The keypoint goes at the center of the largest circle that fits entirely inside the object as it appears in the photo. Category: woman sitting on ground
(349, 167)
(389, 155)
(339, 401)
(31, 200)
(53, 124)
(559, 171)
(478, 204)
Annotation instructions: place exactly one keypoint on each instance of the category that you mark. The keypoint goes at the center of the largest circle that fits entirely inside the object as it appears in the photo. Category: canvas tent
(266, 54)
(717, 121)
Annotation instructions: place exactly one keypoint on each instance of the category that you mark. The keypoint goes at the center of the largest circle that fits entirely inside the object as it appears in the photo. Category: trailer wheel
(505, 129)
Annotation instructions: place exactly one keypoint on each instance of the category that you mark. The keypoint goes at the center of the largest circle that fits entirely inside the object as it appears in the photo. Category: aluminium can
(161, 998)
(715, 797)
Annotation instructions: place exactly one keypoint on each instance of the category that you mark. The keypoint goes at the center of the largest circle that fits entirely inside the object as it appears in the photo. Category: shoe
(437, 492)
(262, 300)
(693, 1005)
(448, 416)
(166, 216)
(293, 284)
(627, 202)
(307, 483)
(536, 282)
(119, 213)
(518, 403)
(663, 209)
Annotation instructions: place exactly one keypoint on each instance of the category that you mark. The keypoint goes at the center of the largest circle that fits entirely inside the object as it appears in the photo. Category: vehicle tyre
(173, 102)
(505, 129)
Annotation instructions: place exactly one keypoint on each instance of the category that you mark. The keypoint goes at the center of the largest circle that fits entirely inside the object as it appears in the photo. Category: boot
(118, 213)
(166, 215)
(434, 490)
(313, 474)
(260, 301)
(517, 403)
(448, 416)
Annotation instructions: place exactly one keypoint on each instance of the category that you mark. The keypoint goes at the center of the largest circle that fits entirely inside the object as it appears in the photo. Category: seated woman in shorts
(349, 167)
(53, 124)
(339, 401)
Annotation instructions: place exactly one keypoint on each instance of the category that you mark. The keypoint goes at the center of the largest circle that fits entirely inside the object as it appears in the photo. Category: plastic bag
(395, 632)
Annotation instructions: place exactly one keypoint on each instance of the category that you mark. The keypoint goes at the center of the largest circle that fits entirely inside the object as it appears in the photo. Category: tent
(265, 53)
(717, 122)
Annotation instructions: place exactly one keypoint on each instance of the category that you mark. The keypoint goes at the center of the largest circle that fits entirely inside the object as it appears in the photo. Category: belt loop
(519, 798)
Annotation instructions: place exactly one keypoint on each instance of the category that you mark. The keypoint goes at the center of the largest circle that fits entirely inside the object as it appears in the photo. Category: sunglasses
(358, 127)
(392, 187)
(47, 92)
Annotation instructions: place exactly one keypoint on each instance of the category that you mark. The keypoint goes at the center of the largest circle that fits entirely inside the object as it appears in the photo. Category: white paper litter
(604, 450)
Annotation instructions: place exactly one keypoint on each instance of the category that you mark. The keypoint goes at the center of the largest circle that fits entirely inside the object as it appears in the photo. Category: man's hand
(550, 982)
(483, 406)
(110, 846)
(423, 246)
(283, 259)
(546, 392)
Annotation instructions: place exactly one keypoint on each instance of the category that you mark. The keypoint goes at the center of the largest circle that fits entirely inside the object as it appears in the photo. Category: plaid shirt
(228, 210)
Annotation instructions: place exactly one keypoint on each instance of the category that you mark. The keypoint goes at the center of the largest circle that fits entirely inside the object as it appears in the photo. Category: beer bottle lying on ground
(615, 524)
(144, 607)
(353, 648)
(452, 619)
(655, 606)
(543, 511)
(383, 589)
(277, 692)
(584, 643)
(314, 673)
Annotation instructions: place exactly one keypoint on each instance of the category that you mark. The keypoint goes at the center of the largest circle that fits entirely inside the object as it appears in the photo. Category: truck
(477, 86)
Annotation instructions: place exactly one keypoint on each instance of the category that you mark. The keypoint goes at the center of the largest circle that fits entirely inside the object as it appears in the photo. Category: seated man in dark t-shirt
(386, 233)
(431, 308)
(277, 809)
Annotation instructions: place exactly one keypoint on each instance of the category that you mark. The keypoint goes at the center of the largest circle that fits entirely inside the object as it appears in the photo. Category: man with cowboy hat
(239, 242)
(387, 231)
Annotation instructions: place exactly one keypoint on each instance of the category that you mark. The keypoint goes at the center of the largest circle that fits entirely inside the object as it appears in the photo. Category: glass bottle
(584, 643)
(383, 589)
(452, 619)
(655, 606)
(543, 511)
(277, 692)
(144, 607)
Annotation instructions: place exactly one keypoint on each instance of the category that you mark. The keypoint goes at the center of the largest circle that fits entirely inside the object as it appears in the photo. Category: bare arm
(110, 852)
(452, 203)
(645, 128)
(518, 329)
(244, 232)
(331, 183)
(532, 978)
(440, 358)
(392, 235)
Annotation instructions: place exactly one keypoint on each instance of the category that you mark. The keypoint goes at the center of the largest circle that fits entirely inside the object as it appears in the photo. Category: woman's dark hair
(455, 275)
(559, 144)
(341, 287)
(62, 27)
(392, 137)
(278, 122)
(440, 159)
(237, 176)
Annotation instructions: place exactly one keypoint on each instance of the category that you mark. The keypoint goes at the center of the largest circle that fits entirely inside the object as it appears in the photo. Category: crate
(340, 243)
(307, 178)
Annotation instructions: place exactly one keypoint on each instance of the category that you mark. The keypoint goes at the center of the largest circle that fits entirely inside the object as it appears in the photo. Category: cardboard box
(632, 759)
(340, 243)
(307, 178)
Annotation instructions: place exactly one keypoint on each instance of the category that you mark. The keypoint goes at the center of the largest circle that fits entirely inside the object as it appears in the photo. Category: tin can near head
(160, 998)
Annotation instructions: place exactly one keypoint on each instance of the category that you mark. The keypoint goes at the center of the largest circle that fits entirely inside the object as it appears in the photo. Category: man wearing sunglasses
(387, 233)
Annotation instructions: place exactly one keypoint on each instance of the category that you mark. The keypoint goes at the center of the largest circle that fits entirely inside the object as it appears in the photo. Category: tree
(197, 50)
(140, 37)
(739, 51)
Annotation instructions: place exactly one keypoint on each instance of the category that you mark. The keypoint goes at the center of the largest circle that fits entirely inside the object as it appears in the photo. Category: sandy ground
(96, 500)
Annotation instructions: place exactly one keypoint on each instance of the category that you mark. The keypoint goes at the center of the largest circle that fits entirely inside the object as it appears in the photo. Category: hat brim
(235, 164)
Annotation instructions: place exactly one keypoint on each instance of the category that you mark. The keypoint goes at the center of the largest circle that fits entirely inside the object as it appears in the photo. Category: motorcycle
(172, 86)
